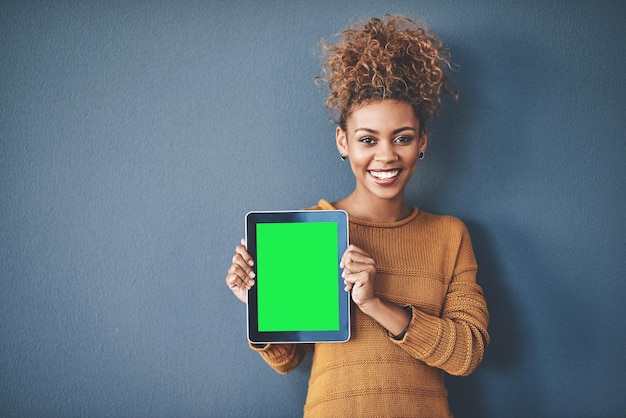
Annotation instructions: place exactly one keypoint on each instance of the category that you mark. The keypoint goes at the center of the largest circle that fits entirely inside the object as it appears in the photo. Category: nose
(385, 153)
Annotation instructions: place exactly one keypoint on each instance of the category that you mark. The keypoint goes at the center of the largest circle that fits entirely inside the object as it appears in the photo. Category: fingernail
(252, 275)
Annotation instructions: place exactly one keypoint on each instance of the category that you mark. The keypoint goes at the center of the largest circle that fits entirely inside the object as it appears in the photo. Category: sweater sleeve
(455, 341)
(283, 358)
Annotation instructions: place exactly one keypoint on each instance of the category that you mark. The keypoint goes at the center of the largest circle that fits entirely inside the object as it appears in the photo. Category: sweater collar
(325, 205)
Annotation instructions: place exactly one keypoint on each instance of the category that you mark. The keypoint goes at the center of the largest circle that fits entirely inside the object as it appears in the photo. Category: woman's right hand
(240, 276)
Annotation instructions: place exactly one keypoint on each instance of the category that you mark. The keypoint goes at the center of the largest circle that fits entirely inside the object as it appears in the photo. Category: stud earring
(343, 157)
(421, 155)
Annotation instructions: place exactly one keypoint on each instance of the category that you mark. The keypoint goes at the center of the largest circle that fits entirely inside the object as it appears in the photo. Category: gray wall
(135, 135)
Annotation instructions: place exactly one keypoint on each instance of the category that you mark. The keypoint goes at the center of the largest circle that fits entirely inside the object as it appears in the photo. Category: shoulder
(450, 234)
(444, 229)
(448, 222)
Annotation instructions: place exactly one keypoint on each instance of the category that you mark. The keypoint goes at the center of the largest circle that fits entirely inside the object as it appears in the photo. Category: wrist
(400, 336)
(394, 318)
(370, 306)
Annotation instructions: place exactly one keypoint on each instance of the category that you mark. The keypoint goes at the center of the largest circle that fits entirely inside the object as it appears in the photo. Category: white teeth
(384, 174)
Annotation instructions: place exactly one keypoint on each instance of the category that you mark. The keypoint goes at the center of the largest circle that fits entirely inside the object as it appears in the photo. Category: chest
(411, 269)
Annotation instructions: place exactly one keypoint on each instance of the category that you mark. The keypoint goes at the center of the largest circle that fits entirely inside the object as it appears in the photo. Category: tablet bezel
(339, 217)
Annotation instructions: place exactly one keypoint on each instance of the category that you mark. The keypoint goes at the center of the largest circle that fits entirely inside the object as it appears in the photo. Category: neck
(374, 209)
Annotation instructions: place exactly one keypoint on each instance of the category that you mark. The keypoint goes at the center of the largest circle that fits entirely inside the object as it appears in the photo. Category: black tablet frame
(340, 218)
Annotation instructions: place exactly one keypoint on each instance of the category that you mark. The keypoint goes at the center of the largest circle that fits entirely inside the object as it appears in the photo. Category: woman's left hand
(359, 271)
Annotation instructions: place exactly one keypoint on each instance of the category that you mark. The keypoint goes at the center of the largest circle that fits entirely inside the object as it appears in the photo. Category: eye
(367, 140)
(403, 139)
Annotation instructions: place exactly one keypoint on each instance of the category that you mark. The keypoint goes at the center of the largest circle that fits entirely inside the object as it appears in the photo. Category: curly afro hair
(390, 58)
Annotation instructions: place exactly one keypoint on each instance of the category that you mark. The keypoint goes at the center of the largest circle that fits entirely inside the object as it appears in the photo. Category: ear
(342, 141)
(424, 140)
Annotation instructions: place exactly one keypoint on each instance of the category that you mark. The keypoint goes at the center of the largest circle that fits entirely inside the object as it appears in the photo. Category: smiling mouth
(384, 175)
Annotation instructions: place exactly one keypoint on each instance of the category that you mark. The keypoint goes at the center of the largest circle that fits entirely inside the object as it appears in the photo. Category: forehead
(383, 114)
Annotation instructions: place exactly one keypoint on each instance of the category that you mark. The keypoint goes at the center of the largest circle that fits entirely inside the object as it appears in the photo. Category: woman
(411, 274)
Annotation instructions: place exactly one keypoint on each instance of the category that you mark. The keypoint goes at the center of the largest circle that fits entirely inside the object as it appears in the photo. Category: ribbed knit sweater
(425, 262)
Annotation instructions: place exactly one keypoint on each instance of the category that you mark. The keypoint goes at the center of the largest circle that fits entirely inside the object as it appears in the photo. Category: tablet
(299, 293)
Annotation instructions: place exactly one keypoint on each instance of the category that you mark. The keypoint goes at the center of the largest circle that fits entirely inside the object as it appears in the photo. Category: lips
(384, 176)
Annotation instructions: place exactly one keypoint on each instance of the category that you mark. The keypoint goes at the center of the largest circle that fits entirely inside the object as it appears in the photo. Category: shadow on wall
(467, 138)
(505, 351)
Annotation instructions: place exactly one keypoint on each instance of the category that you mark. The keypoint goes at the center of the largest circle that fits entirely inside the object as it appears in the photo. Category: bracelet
(400, 336)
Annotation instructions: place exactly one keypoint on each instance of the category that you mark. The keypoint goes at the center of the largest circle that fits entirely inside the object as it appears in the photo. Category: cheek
(356, 166)
(412, 163)
(412, 169)
(358, 158)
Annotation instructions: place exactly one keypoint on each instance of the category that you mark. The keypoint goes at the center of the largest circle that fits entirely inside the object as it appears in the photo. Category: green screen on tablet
(298, 295)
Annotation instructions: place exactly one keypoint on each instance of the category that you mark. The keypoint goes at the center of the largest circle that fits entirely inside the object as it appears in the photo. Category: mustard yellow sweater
(426, 262)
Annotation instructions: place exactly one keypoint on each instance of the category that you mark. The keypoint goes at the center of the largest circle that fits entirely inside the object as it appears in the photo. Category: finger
(358, 265)
(355, 254)
(360, 277)
(239, 260)
(243, 252)
(238, 277)
(355, 249)
(235, 284)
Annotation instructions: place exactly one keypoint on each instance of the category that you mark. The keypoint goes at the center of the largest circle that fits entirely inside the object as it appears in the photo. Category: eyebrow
(395, 132)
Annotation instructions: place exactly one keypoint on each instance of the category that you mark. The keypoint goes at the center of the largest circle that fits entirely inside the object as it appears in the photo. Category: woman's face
(382, 140)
